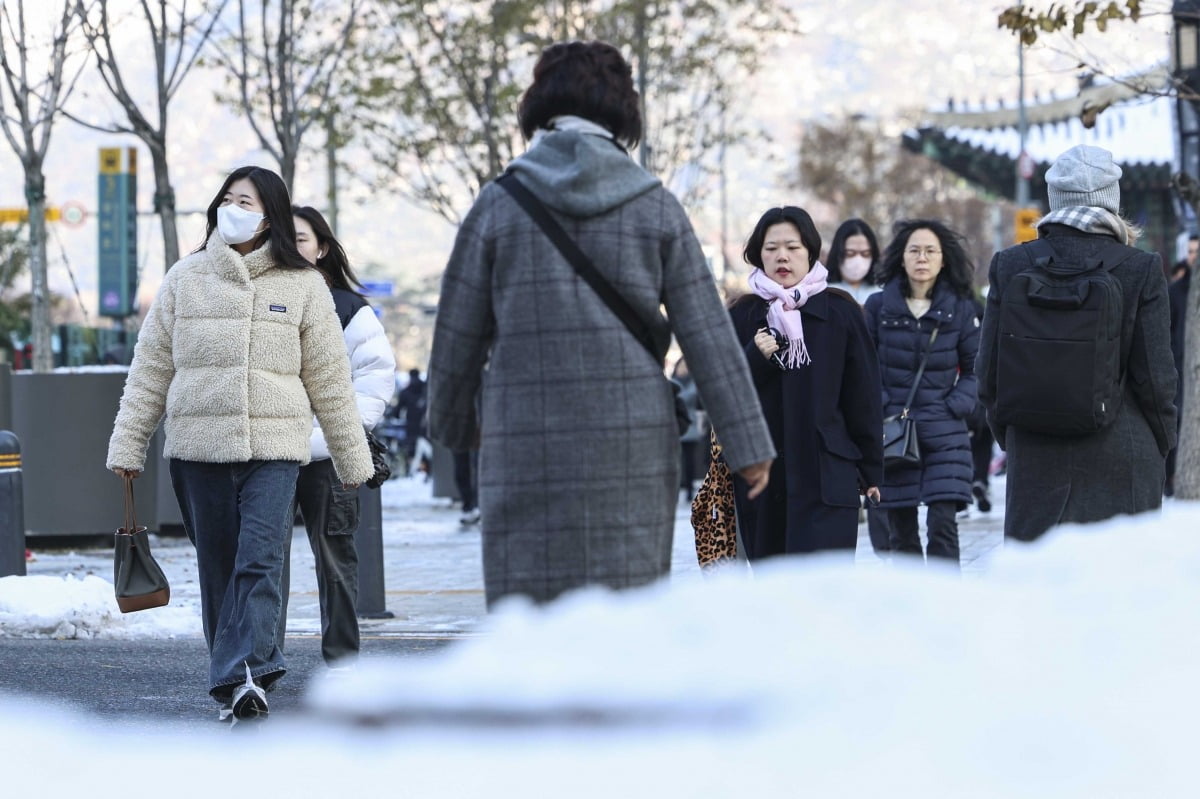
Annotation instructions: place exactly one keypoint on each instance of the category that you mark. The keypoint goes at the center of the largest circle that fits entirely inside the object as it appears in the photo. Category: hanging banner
(116, 217)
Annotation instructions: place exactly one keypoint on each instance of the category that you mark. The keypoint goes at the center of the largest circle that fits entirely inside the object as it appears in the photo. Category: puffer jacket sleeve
(372, 370)
(1151, 367)
(462, 334)
(964, 396)
(325, 372)
(714, 357)
(145, 396)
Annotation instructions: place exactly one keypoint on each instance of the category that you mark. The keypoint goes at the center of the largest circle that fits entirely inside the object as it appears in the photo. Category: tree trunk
(35, 194)
(1187, 458)
(331, 150)
(287, 170)
(164, 205)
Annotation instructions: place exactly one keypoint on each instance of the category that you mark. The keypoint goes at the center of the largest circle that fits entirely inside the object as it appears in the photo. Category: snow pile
(39, 606)
(1067, 671)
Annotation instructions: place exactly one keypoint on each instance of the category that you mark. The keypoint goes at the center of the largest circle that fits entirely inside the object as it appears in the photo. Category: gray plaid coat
(579, 449)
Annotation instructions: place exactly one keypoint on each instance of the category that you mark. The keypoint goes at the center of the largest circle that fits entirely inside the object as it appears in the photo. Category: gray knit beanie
(1084, 175)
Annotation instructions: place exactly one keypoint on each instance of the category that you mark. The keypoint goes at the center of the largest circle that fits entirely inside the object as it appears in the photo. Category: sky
(1066, 671)
(854, 56)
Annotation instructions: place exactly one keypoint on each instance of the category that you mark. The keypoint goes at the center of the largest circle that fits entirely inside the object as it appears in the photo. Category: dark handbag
(900, 445)
(138, 580)
(383, 469)
(586, 270)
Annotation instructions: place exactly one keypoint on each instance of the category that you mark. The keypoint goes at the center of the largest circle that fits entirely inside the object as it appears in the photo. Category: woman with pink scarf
(817, 376)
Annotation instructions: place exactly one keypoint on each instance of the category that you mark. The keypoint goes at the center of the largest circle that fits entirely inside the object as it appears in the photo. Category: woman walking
(1120, 467)
(579, 446)
(329, 510)
(239, 349)
(926, 313)
(817, 377)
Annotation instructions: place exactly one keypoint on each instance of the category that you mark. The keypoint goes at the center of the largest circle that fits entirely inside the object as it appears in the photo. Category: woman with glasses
(926, 307)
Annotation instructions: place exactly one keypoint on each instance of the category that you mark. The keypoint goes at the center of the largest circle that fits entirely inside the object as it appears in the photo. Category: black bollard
(368, 540)
(12, 507)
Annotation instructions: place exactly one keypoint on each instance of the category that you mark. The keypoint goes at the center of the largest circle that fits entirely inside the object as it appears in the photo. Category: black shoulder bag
(587, 270)
(900, 446)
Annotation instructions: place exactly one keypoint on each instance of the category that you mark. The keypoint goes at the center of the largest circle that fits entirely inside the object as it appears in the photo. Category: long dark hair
(585, 79)
(833, 262)
(958, 271)
(334, 264)
(277, 207)
(809, 236)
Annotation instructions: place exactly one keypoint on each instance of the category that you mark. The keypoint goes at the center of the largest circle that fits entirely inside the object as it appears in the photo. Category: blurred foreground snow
(1067, 671)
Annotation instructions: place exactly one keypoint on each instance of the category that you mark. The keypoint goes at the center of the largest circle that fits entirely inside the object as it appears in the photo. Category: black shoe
(982, 501)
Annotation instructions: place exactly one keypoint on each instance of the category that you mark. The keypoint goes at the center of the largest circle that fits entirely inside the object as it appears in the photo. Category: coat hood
(580, 174)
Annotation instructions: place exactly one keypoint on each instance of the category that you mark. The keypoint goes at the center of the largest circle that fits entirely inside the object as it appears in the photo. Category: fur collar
(229, 263)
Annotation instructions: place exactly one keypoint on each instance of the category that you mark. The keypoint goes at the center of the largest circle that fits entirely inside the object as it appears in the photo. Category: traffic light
(1025, 220)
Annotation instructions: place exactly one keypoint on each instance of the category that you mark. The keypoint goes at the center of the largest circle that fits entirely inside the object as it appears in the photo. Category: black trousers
(942, 530)
(466, 470)
(330, 515)
(981, 453)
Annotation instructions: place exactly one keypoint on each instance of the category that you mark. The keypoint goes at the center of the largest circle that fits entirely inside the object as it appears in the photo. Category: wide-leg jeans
(238, 516)
(330, 515)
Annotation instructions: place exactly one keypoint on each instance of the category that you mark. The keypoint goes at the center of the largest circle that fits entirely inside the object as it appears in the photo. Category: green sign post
(116, 216)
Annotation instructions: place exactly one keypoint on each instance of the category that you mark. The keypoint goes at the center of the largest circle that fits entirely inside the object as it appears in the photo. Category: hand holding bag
(900, 445)
(137, 578)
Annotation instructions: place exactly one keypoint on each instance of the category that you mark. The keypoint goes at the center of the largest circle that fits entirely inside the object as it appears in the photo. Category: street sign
(378, 288)
(1025, 220)
(17, 215)
(116, 216)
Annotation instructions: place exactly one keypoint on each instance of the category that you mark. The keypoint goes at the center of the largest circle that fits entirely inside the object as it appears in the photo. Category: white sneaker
(249, 700)
(469, 516)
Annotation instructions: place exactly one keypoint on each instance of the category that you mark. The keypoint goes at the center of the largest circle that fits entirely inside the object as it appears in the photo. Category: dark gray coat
(579, 449)
(945, 397)
(1119, 469)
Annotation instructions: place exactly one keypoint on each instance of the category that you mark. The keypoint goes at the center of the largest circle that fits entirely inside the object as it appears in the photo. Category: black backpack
(1058, 367)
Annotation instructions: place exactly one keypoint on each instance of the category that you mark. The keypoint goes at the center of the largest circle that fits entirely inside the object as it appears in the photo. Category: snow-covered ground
(1067, 670)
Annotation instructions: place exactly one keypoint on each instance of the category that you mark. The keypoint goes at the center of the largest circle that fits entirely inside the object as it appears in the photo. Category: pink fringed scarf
(783, 313)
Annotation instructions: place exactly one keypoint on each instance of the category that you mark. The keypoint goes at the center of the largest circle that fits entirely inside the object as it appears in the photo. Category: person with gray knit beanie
(1084, 176)
(1059, 476)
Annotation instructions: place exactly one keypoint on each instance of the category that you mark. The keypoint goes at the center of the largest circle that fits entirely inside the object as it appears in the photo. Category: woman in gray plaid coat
(576, 426)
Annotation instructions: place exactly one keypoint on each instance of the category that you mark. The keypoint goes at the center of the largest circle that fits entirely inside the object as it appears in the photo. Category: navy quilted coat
(945, 397)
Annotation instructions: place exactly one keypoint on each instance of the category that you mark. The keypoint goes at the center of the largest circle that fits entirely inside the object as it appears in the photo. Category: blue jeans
(238, 516)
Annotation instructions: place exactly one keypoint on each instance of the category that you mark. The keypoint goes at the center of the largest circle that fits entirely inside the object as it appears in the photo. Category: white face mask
(856, 268)
(237, 225)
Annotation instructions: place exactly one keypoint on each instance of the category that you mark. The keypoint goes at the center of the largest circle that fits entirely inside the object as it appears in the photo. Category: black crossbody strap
(912, 392)
(583, 265)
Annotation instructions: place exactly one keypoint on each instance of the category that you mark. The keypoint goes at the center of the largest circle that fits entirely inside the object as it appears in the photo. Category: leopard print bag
(713, 516)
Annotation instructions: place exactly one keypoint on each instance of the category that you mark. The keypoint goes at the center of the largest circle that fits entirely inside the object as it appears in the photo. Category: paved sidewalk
(432, 571)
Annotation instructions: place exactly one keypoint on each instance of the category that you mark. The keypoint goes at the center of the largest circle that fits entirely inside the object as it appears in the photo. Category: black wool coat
(944, 399)
(1120, 468)
(824, 419)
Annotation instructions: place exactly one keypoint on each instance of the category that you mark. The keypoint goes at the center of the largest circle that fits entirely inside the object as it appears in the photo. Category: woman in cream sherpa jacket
(241, 346)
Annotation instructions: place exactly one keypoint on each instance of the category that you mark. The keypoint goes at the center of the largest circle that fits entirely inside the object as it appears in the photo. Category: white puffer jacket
(372, 364)
(239, 353)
